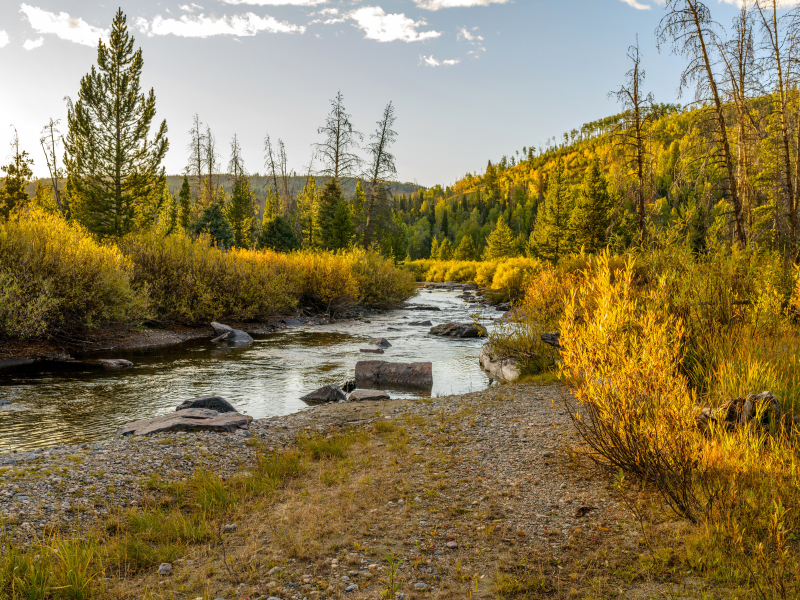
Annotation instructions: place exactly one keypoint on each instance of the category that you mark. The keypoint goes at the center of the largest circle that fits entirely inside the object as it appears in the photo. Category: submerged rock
(459, 330)
(190, 419)
(378, 372)
(226, 333)
(327, 393)
(371, 350)
(380, 342)
(421, 323)
(216, 403)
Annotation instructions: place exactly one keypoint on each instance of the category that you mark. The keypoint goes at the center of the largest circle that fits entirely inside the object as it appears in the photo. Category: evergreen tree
(306, 211)
(358, 203)
(342, 231)
(272, 205)
(44, 199)
(589, 221)
(446, 250)
(240, 212)
(466, 249)
(500, 243)
(445, 226)
(112, 166)
(396, 242)
(550, 238)
(276, 234)
(326, 233)
(18, 174)
(214, 222)
(185, 201)
(435, 249)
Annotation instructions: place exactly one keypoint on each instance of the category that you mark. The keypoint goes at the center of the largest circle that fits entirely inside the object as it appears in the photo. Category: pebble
(229, 528)
(351, 588)
(452, 545)
(164, 569)
(274, 570)
(420, 586)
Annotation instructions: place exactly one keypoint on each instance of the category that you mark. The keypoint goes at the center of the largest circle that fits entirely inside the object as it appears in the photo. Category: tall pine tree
(113, 166)
(590, 220)
(551, 234)
(500, 243)
(185, 201)
(240, 212)
(17, 175)
(327, 223)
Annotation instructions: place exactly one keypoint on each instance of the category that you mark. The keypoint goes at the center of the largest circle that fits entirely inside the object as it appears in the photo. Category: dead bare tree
(689, 28)
(341, 138)
(50, 137)
(210, 156)
(382, 167)
(196, 156)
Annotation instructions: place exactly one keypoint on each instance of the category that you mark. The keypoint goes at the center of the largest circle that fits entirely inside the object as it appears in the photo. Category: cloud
(473, 39)
(31, 44)
(429, 61)
(3, 38)
(437, 4)
(190, 8)
(72, 29)
(203, 26)
(387, 28)
(276, 2)
(636, 5)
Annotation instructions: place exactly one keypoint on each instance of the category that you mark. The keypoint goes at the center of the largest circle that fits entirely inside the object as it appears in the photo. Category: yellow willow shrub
(191, 281)
(513, 273)
(55, 276)
(327, 280)
(380, 283)
(437, 271)
(485, 273)
(631, 405)
(462, 271)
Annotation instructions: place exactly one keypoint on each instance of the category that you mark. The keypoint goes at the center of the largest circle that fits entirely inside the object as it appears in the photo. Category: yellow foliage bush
(327, 280)
(484, 274)
(55, 276)
(511, 274)
(462, 271)
(380, 283)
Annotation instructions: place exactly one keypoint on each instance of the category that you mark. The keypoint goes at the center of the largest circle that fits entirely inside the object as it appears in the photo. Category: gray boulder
(552, 339)
(459, 330)
(421, 323)
(226, 333)
(325, 394)
(216, 403)
(498, 368)
(370, 373)
(372, 350)
(380, 342)
(190, 419)
(365, 395)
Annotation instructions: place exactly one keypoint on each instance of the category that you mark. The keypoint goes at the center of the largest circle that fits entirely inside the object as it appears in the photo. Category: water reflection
(65, 405)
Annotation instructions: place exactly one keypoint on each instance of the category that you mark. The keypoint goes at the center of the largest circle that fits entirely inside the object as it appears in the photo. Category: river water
(69, 405)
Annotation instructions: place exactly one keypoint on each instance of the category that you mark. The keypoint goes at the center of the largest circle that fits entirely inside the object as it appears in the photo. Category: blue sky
(471, 80)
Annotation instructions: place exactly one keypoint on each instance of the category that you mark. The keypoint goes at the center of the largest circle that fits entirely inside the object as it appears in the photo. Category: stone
(421, 323)
(370, 373)
(292, 322)
(421, 307)
(380, 342)
(229, 528)
(420, 586)
(459, 330)
(216, 403)
(327, 393)
(348, 386)
(189, 419)
(108, 363)
(763, 407)
(275, 570)
(4, 403)
(226, 333)
(164, 569)
(372, 350)
(498, 368)
(364, 395)
(552, 339)
(351, 588)
(452, 545)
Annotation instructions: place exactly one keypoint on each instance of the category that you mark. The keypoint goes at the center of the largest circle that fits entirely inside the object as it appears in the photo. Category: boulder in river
(226, 333)
(498, 368)
(107, 363)
(363, 395)
(421, 323)
(190, 419)
(378, 372)
(420, 307)
(380, 342)
(459, 330)
(325, 394)
(289, 322)
(372, 350)
(216, 403)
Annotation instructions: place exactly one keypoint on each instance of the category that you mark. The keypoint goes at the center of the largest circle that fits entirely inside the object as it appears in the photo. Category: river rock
(459, 330)
(372, 350)
(421, 307)
(292, 322)
(380, 342)
(108, 363)
(190, 419)
(498, 368)
(378, 372)
(364, 395)
(216, 403)
(348, 386)
(4, 403)
(327, 393)
(226, 333)
(552, 339)
(421, 323)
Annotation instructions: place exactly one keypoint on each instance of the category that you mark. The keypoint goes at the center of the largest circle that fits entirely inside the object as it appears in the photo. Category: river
(69, 405)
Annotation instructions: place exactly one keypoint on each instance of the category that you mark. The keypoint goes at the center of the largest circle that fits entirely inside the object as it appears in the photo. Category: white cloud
(203, 26)
(387, 28)
(190, 8)
(429, 61)
(437, 4)
(276, 2)
(636, 5)
(3, 38)
(72, 29)
(466, 34)
(31, 44)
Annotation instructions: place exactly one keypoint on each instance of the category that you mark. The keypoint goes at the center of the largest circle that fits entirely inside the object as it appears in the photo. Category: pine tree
(18, 174)
(276, 234)
(306, 211)
(358, 203)
(446, 249)
(435, 249)
(185, 201)
(240, 212)
(550, 238)
(112, 166)
(214, 222)
(445, 226)
(466, 249)
(500, 243)
(325, 233)
(342, 231)
(272, 205)
(589, 220)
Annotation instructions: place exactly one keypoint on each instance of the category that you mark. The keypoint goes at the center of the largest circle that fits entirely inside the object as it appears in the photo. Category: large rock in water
(226, 333)
(364, 395)
(216, 403)
(459, 330)
(498, 368)
(380, 343)
(327, 393)
(190, 419)
(379, 372)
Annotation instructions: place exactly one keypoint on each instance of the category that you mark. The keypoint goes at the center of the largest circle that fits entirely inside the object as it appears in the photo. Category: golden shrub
(512, 274)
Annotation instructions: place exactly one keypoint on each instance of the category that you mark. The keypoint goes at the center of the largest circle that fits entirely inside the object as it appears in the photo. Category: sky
(471, 80)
